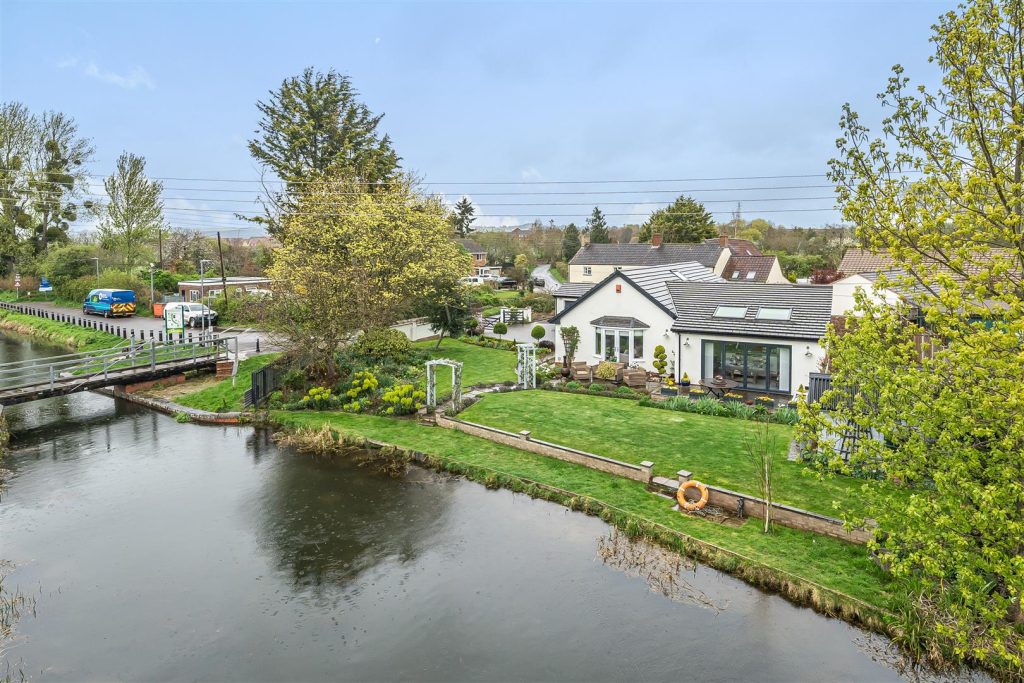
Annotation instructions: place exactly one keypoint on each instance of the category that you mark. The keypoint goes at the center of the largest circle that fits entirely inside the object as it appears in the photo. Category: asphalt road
(246, 336)
(544, 271)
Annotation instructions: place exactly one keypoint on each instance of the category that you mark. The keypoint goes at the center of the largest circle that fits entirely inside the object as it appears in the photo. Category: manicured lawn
(712, 448)
(835, 564)
(479, 365)
(222, 397)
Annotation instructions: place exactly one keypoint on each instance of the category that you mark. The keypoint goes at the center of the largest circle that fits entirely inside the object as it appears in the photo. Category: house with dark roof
(594, 262)
(763, 269)
(476, 251)
(762, 336)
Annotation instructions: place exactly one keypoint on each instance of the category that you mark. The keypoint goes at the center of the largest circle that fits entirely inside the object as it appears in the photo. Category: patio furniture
(580, 371)
(718, 387)
(634, 377)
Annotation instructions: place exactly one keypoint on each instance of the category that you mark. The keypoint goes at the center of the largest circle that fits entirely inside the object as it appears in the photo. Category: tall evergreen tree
(684, 220)
(570, 241)
(462, 219)
(598, 228)
(312, 127)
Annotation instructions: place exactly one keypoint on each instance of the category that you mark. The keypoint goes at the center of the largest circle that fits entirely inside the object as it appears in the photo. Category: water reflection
(325, 522)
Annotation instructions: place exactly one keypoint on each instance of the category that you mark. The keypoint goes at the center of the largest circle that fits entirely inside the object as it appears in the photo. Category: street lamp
(151, 293)
(202, 291)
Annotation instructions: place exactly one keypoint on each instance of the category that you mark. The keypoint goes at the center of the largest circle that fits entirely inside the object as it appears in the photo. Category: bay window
(620, 345)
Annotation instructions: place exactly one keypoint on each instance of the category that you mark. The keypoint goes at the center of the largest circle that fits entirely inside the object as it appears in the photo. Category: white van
(192, 313)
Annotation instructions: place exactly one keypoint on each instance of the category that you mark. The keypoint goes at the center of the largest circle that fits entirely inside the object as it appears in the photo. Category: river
(164, 551)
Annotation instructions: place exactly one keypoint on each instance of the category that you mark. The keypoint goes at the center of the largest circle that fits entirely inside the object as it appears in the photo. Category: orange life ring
(694, 504)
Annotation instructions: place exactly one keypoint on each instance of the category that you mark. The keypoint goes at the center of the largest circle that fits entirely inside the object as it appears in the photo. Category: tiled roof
(573, 290)
(862, 261)
(471, 246)
(622, 323)
(749, 268)
(624, 255)
(654, 279)
(738, 247)
(695, 305)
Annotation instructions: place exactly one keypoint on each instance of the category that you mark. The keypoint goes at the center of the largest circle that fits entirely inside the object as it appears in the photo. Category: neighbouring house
(845, 290)
(476, 251)
(626, 315)
(198, 290)
(594, 262)
(856, 260)
(766, 337)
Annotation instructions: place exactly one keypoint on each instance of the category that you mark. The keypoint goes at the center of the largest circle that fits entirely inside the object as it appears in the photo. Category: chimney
(723, 241)
(656, 240)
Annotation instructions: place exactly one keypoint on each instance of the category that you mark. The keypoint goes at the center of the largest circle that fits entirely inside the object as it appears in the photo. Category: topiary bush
(659, 359)
(500, 329)
(574, 385)
(538, 332)
(606, 370)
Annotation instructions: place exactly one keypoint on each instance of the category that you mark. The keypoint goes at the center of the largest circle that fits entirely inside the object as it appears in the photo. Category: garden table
(718, 387)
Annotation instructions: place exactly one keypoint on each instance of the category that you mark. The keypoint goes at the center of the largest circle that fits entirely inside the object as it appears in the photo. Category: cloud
(136, 77)
(530, 174)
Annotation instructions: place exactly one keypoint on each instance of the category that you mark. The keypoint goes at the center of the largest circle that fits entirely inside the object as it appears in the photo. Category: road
(246, 336)
(544, 271)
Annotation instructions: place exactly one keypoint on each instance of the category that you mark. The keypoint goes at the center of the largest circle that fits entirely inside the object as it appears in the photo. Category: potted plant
(669, 389)
(764, 401)
(685, 381)
(733, 397)
(697, 393)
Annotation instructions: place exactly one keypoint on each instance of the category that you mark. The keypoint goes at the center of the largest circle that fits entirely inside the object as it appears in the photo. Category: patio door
(621, 346)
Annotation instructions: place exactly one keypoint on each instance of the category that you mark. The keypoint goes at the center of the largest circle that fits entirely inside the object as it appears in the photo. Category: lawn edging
(797, 589)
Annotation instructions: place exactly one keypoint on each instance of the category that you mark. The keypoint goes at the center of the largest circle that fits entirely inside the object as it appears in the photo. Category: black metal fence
(265, 381)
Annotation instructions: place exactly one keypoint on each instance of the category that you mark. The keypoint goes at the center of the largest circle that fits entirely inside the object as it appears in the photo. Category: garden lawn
(479, 365)
(222, 397)
(838, 565)
(712, 448)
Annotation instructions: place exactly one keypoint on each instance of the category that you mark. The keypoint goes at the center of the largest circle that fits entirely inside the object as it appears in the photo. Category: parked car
(110, 303)
(540, 282)
(193, 314)
(507, 283)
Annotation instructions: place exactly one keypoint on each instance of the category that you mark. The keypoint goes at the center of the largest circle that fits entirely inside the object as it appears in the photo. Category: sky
(717, 100)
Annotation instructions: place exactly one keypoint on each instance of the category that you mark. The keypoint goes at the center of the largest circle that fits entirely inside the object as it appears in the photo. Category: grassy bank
(835, 565)
(223, 396)
(713, 448)
(60, 334)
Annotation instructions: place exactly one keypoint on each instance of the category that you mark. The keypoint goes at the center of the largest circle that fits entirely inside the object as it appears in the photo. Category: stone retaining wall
(752, 506)
(523, 442)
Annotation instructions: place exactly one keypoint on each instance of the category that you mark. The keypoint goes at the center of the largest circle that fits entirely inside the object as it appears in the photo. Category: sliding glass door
(757, 367)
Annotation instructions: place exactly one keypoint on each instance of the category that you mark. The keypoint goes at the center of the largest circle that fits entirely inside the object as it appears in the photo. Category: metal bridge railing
(89, 364)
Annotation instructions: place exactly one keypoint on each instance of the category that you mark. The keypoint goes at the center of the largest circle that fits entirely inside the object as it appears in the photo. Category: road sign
(17, 280)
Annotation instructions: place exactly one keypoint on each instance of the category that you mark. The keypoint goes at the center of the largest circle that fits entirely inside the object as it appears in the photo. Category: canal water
(163, 551)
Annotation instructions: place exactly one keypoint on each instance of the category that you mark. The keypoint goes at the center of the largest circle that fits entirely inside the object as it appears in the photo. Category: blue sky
(482, 92)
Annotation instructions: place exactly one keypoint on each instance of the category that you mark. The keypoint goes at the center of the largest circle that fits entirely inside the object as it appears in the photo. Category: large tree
(355, 260)
(134, 211)
(684, 220)
(597, 227)
(42, 179)
(462, 217)
(570, 241)
(943, 195)
(312, 127)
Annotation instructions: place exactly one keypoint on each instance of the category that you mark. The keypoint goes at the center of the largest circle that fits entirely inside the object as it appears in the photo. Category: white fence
(415, 328)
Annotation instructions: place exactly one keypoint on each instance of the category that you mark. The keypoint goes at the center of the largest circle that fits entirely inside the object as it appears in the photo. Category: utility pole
(160, 243)
(223, 278)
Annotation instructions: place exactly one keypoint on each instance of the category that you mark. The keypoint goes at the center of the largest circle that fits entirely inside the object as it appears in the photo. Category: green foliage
(227, 395)
(314, 126)
(500, 329)
(403, 399)
(570, 241)
(67, 262)
(320, 398)
(685, 220)
(134, 211)
(538, 332)
(462, 217)
(606, 370)
(363, 384)
(447, 311)
(938, 192)
(597, 388)
(660, 362)
(597, 228)
(182, 417)
(384, 345)
(573, 384)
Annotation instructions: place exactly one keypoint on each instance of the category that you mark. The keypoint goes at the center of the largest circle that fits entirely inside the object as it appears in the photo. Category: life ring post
(691, 505)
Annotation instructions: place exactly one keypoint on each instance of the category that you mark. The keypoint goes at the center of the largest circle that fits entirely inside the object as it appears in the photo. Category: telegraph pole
(223, 278)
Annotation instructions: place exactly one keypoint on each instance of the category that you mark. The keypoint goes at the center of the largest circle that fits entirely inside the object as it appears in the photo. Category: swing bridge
(39, 378)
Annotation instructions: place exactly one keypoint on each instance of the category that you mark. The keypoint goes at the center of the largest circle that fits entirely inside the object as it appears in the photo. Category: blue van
(110, 303)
